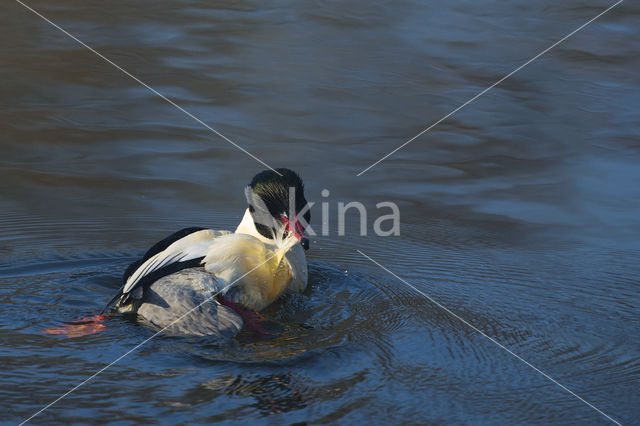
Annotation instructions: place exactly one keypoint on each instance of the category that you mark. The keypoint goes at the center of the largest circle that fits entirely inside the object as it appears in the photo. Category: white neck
(248, 227)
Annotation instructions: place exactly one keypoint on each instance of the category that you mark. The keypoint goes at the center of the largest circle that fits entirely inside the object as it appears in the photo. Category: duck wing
(158, 247)
(181, 250)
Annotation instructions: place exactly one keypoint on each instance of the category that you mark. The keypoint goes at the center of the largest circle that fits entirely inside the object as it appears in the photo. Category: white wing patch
(192, 246)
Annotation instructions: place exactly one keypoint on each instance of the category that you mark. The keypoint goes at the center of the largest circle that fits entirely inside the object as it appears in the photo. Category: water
(520, 213)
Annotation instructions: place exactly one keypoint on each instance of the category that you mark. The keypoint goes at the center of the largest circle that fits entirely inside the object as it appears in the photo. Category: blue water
(520, 213)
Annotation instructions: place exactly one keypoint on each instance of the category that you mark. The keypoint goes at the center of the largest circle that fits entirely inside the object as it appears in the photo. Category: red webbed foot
(253, 320)
(80, 327)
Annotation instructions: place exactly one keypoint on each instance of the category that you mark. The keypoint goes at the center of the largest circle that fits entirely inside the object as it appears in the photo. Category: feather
(191, 247)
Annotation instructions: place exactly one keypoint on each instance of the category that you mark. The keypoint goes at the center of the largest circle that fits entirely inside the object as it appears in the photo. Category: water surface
(521, 213)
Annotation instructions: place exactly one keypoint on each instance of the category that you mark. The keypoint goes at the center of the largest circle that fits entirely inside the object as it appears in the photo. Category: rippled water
(520, 213)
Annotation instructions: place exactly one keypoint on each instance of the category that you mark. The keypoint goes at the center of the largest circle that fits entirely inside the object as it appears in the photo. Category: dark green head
(283, 196)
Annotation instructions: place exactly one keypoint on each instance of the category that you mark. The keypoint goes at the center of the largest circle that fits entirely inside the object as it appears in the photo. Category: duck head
(278, 207)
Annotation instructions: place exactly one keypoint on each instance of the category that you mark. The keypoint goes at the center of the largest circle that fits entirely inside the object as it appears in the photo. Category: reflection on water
(520, 213)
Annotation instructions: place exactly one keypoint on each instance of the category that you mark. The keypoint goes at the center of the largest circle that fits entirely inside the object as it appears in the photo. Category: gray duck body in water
(179, 304)
(204, 282)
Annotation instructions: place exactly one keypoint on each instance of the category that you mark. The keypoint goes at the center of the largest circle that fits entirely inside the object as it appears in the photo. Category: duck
(206, 282)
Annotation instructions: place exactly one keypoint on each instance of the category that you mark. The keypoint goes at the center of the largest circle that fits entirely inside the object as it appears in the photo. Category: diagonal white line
(139, 345)
(146, 85)
(490, 87)
(467, 323)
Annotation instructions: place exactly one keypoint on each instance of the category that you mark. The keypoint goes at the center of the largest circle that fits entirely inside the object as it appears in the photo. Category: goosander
(173, 285)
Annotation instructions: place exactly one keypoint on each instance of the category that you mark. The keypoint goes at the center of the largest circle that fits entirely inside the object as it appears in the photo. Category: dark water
(521, 213)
